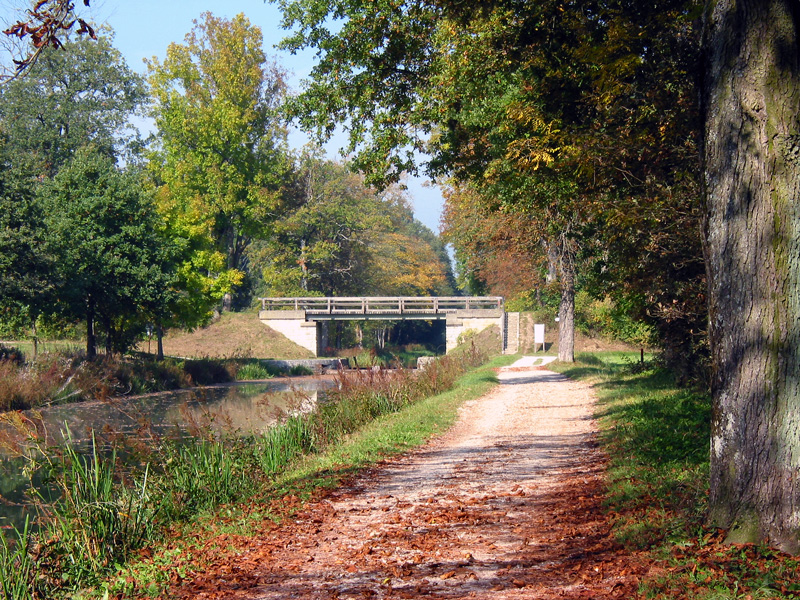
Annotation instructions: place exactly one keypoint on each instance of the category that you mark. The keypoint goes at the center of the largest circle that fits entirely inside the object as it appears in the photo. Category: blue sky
(144, 28)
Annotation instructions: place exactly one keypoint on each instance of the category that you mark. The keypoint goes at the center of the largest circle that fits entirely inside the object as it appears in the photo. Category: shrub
(205, 371)
(253, 370)
(10, 354)
(300, 371)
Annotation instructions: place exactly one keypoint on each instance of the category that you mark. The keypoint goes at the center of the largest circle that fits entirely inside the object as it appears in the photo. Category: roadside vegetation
(657, 435)
(66, 375)
(114, 529)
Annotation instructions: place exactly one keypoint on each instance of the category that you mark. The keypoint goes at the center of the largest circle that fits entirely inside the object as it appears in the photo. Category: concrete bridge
(304, 320)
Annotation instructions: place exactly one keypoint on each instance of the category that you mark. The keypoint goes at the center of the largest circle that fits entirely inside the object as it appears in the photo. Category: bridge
(304, 320)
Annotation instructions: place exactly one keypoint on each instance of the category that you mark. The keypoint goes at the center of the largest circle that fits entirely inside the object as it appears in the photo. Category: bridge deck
(400, 306)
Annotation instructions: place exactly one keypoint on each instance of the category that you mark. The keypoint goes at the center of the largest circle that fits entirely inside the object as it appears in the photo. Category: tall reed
(199, 474)
(17, 566)
(281, 444)
(96, 522)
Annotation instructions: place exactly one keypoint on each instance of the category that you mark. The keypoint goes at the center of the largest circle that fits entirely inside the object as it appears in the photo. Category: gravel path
(505, 505)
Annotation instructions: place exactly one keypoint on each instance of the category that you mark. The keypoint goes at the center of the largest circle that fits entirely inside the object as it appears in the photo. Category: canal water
(239, 409)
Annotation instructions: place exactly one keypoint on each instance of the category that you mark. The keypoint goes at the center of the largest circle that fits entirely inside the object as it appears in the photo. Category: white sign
(538, 334)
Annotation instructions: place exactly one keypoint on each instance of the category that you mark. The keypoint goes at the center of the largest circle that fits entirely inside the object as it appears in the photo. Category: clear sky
(144, 28)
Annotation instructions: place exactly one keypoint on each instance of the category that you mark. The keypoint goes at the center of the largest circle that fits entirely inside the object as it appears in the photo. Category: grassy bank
(657, 437)
(106, 538)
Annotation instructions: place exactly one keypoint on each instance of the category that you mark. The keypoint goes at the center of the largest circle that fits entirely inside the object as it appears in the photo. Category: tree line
(126, 234)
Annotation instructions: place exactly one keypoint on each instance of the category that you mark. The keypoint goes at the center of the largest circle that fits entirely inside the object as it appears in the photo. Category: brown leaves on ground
(563, 549)
(508, 505)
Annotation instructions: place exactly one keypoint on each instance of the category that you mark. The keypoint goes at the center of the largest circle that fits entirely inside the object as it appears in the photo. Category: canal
(239, 409)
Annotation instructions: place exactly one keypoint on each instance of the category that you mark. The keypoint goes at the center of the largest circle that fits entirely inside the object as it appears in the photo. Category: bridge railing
(384, 305)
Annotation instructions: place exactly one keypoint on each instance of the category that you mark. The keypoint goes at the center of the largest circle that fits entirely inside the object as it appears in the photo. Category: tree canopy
(84, 93)
(221, 154)
(338, 236)
(600, 97)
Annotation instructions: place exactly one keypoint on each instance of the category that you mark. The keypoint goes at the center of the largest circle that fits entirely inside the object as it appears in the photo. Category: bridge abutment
(311, 335)
(470, 321)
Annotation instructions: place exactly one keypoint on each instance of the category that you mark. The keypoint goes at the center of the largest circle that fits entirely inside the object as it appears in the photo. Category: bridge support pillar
(311, 335)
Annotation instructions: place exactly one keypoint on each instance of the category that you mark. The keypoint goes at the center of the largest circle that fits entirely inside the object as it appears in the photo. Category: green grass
(26, 346)
(17, 565)
(657, 437)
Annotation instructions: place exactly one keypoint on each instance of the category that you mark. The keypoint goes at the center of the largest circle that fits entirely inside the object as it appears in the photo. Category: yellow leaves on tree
(220, 157)
(407, 267)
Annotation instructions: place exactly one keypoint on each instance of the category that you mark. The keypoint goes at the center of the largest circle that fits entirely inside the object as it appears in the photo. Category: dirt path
(505, 505)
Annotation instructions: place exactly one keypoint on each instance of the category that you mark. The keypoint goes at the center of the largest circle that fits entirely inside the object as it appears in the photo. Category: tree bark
(566, 309)
(109, 336)
(751, 103)
(160, 344)
(91, 342)
(552, 261)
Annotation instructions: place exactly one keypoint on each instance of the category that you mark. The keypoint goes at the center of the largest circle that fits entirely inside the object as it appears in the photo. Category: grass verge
(657, 437)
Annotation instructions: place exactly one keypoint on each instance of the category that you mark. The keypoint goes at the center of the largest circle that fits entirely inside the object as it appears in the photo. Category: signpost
(538, 337)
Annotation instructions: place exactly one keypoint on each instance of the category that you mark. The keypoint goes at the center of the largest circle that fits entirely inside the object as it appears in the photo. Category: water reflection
(236, 409)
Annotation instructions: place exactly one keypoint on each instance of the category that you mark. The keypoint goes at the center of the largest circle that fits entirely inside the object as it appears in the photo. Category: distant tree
(409, 259)
(339, 236)
(322, 242)
(83, 93)
(221, 156)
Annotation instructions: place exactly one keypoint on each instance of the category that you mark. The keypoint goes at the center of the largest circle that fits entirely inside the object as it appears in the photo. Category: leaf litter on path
(506, 505)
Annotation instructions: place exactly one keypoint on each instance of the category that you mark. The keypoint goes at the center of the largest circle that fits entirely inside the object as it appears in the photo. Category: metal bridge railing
(384, 305)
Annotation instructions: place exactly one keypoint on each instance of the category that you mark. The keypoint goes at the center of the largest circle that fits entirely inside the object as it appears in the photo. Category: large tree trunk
(751, 99)
(566, 309)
